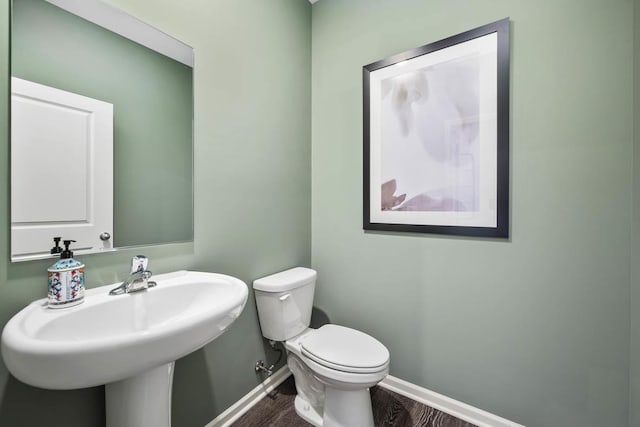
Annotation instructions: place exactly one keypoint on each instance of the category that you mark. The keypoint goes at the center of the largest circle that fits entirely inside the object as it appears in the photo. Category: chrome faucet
(138, 280)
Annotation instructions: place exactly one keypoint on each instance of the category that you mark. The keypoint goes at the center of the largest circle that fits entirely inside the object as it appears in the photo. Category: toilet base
(343, 408)
(307, 412)
(346, 408)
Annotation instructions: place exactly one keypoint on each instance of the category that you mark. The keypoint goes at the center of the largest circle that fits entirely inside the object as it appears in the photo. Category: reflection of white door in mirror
(58, 186)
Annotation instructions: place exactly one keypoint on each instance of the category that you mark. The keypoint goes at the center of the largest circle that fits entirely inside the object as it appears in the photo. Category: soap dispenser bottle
(66, 280)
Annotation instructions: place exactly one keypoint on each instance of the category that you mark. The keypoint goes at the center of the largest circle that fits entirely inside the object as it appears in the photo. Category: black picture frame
(438, 115)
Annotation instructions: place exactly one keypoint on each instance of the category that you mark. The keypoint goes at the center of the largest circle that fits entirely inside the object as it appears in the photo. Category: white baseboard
(239, 408)
(445, 404)
(430, 398)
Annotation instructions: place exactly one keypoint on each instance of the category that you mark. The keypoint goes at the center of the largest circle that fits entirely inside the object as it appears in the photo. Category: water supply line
(260, 365)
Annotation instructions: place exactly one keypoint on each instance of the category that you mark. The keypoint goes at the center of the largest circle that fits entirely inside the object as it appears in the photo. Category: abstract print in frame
(436, 137)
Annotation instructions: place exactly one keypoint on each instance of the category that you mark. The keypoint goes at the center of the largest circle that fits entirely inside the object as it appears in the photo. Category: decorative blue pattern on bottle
(66, 283)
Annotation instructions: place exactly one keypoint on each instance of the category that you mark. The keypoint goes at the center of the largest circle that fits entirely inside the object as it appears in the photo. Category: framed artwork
(436, 137)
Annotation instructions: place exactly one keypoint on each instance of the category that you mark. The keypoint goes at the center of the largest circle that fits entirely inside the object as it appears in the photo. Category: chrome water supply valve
(260, 367)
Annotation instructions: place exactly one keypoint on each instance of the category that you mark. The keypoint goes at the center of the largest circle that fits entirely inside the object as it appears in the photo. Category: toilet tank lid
(285, 280)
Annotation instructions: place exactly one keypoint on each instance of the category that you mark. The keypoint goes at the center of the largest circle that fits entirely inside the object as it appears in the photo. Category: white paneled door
(61, 169)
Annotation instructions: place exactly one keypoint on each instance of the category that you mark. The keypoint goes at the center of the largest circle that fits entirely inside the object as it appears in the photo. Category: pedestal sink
(128, 342)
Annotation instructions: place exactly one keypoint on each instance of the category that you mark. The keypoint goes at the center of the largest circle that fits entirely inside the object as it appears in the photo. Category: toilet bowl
(333, 366)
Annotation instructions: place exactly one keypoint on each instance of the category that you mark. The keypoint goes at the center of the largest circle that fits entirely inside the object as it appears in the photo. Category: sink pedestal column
(143, 400)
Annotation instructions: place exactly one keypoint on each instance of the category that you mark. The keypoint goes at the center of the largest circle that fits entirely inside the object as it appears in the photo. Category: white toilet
(333, 366)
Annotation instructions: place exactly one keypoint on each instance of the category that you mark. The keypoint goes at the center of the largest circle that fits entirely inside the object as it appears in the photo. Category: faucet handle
(139, 263)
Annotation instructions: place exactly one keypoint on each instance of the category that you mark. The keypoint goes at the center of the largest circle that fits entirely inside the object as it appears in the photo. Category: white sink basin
(112, 338)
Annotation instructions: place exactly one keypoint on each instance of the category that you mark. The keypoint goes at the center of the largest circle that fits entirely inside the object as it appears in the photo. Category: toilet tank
(284, 302)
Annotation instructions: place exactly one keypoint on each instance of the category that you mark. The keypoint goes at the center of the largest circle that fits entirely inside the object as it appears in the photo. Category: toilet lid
(345, 349)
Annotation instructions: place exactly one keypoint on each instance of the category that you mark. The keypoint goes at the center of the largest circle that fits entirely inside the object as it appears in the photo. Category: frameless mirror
(101, 130)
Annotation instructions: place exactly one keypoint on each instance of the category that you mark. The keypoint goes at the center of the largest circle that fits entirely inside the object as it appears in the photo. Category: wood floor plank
(389, 410)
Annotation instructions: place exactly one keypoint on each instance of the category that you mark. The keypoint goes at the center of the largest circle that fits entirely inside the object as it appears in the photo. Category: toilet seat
(345, 349)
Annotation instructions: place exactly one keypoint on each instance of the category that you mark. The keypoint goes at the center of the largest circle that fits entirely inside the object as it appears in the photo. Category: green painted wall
(252, 196)
(634, 369)
(153, 110)
(534, 328)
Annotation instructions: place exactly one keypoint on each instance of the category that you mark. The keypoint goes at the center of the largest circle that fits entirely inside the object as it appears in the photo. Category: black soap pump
(67, 252)
(56, 249)
(66, 278)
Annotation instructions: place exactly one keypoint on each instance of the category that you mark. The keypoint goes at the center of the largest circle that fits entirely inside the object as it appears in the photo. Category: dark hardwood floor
(389, 410)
